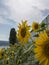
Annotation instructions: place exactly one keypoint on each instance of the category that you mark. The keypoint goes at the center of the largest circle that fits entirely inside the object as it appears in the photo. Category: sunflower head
(1, 53)
(42, 48)
(23, 32)
(35, 26)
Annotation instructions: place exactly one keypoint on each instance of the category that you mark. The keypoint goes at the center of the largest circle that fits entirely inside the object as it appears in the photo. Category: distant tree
(12, 37)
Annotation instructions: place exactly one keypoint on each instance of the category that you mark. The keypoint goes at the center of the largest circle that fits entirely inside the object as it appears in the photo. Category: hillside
(4, 43)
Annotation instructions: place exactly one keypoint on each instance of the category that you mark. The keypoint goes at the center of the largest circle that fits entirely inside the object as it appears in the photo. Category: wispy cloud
(24, 9)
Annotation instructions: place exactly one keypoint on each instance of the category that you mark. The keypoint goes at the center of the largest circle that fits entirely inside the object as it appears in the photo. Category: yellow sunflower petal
(43, 36)
(45, 62)
(39, 41)
(37, 50)
(42, 59)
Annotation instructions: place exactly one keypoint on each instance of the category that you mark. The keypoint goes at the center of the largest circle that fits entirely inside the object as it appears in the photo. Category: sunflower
(42, 48)
(35, 26)
(1, 53)
(23, 32)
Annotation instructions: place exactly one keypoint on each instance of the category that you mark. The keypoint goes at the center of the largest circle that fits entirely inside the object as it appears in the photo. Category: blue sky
(13, 11)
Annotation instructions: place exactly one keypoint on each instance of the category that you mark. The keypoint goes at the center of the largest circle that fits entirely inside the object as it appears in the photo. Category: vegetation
(33, 49)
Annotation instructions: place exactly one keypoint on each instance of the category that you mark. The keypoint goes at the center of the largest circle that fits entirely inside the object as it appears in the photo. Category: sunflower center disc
(36, 26)
(47, 50)
(23, 32)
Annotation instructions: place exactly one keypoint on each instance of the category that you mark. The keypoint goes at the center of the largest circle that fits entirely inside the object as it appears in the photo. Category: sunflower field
(33, 46)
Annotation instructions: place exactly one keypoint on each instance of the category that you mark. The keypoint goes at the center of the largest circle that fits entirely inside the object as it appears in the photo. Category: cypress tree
(12, 37)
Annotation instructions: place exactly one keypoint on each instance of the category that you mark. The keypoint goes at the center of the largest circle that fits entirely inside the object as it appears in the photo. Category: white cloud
(41, 4)
(27, 9)
(6, 20)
